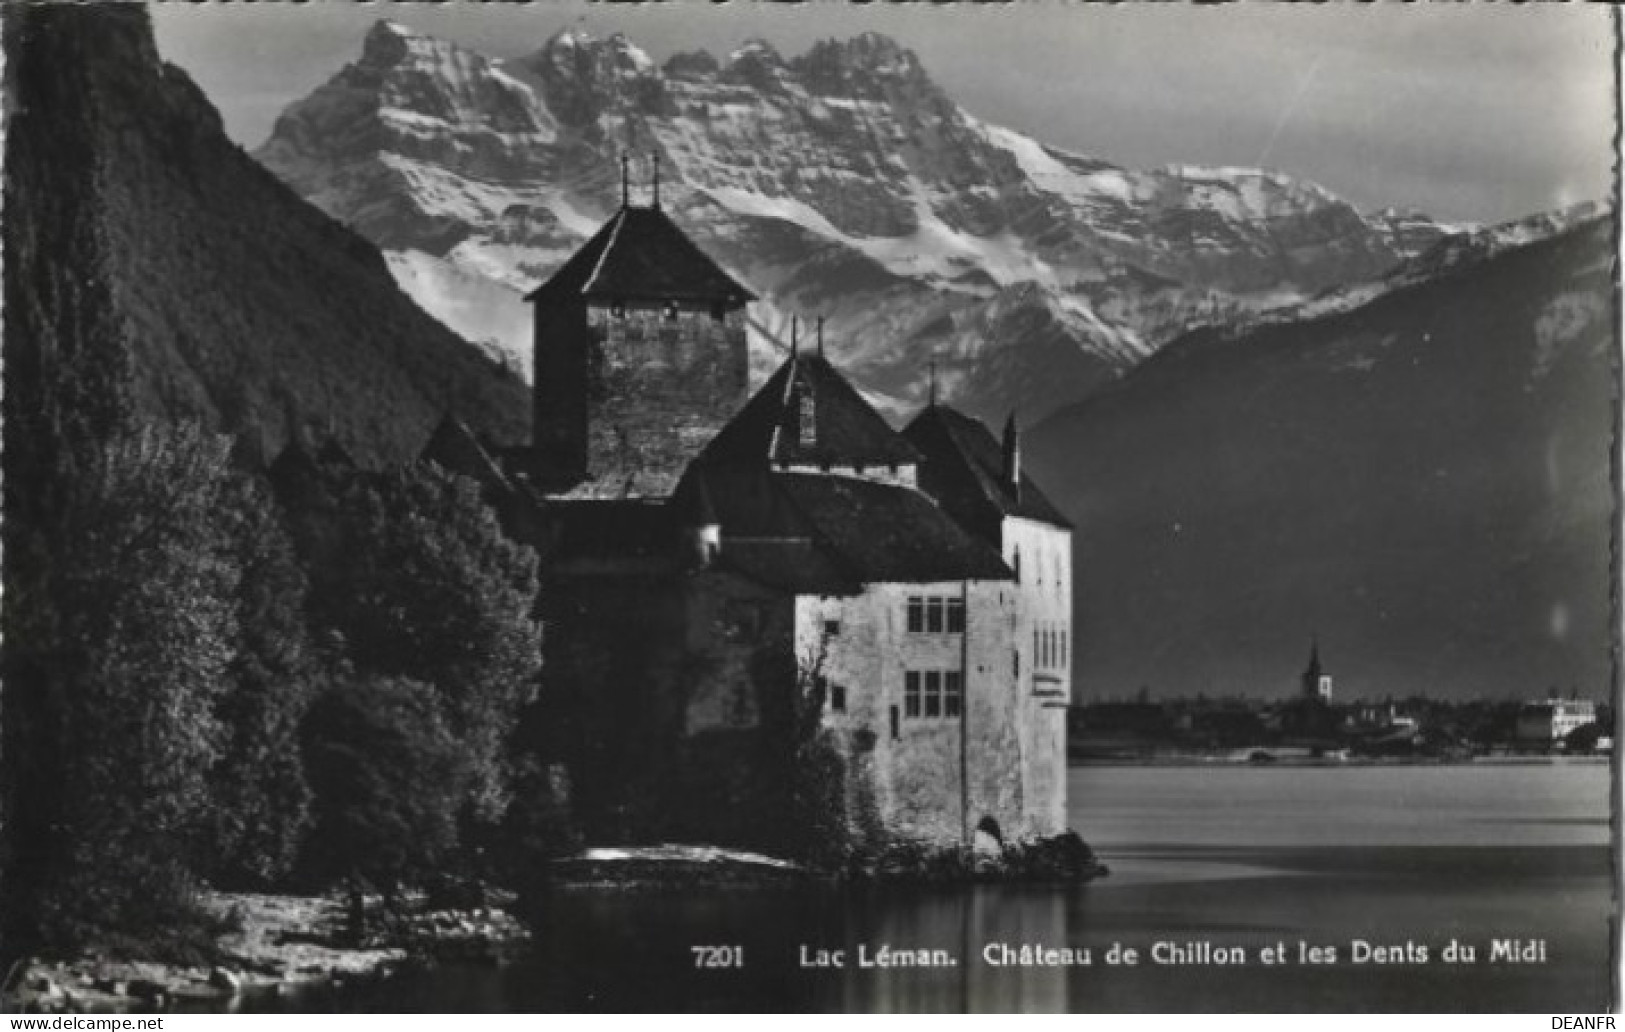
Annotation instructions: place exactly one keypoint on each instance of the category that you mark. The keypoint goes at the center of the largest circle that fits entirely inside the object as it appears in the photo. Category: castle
(750, 599)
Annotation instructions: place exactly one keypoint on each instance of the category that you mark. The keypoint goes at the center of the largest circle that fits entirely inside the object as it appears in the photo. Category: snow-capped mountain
(842, 182)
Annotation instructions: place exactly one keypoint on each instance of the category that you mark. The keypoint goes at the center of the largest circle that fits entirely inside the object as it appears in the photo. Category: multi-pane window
(933, 694)
(934, 623)
(1050, 645)
(936, 614)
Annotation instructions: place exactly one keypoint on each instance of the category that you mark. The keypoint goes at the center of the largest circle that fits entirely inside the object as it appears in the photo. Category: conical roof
(964, 471)
(846, 430)
(641, 253)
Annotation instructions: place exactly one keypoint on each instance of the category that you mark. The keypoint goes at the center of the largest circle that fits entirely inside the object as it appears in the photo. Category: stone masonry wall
(935, 777)
(660, 388)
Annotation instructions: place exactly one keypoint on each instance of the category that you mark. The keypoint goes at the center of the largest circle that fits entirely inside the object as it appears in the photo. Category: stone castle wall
(658, 384)
(928, 778)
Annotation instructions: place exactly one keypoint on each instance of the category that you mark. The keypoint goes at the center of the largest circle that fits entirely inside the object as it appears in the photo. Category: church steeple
(1317, 684)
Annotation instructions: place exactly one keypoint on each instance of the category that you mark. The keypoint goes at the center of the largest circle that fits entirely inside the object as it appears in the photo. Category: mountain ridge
(843, 180)
(235, 302)
(1423, 479)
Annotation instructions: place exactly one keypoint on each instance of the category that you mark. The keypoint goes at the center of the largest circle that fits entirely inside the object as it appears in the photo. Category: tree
(389, 778)
(121, 713)
(430, 589)
(259, 801)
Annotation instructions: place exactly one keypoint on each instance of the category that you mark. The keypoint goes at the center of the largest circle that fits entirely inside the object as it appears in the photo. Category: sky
(1466, 111)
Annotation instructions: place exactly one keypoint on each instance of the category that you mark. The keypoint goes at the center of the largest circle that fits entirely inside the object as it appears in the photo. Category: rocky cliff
(1419, 471)
(140, 241)
(843, 181)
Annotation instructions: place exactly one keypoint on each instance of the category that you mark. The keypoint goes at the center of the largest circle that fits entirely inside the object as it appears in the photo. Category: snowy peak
(835, 66)
(843, 180)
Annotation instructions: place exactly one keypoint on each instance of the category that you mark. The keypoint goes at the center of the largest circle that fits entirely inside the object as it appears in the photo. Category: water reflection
(1385, 856)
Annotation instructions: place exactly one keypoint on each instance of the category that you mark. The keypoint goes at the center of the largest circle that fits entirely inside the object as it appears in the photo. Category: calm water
(1229, 856)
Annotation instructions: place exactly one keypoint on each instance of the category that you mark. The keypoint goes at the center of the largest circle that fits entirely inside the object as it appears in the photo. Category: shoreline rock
(278, 944)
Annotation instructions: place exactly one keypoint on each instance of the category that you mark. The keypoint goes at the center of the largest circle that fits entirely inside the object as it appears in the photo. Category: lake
(1365, 885)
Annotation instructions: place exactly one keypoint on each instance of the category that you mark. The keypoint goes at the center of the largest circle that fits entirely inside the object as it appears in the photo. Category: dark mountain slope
(1424, 480)
(226, 296)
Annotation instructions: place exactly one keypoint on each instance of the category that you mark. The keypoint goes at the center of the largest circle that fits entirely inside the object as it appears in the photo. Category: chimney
(1012, 456)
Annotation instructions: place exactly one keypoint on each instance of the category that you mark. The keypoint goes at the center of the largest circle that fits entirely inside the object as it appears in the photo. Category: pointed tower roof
(964, 471)
(768, 430)
(1314, 670)
(641, 253)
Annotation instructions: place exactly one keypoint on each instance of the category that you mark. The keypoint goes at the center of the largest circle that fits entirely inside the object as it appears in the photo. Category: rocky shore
(274, 945)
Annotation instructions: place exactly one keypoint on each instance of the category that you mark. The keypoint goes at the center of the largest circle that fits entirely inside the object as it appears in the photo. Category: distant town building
(1316, 682)
(1545, 721)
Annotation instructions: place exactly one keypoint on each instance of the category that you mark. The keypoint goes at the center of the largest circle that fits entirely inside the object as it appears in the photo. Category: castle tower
(640, 358)
(1317, 684)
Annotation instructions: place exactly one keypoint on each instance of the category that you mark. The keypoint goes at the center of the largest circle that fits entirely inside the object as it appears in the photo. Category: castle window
(953, 693)
(837, 698)
(808, 420)
(956, 616)
(911, 695)
(933, 693)
(1015, 662)
(832, 628)
(916, 614)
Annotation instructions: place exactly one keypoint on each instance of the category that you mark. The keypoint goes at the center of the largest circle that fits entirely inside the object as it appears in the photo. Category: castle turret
(1012, 457)
(641, 356)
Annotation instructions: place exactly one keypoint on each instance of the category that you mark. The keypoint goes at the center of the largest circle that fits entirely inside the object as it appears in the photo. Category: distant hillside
(1423, 479)
(134, 228)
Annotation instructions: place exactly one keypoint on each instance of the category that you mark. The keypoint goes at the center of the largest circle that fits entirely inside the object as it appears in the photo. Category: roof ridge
(609, 245)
